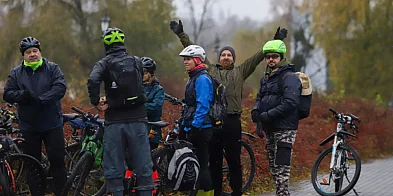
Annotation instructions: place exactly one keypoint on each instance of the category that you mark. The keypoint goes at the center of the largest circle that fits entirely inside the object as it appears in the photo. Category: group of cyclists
(134, 96)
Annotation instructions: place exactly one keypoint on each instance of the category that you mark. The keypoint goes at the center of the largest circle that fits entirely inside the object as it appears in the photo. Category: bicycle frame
(339, 136)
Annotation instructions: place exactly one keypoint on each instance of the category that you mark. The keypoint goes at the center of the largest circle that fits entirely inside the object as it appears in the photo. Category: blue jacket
(48, 83)
(155, 101)
(280, 105)
(198, 98)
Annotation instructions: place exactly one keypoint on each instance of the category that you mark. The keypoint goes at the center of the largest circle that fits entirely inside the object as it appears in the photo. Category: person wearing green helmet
(125, 114)
(233, 77)
(276, 110)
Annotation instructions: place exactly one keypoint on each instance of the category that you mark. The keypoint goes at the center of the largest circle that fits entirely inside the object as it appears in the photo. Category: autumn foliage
(374, 137)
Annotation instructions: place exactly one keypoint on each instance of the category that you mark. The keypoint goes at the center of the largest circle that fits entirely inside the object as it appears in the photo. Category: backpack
(183, 170)
(305, 99)
(218, 108)
(126, 73)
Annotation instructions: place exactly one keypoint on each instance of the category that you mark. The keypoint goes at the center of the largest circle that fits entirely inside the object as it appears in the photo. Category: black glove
(177, 28)
(254, 116)
(264, 117)
(34, 97)
(281, 34)
(26, 98)
(259, 130)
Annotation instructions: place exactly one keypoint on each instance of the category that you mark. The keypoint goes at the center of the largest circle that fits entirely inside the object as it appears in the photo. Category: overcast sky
(254, 9)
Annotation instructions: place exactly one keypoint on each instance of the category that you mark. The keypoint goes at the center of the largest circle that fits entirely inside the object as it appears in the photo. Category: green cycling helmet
(113, 35)
(276, 46)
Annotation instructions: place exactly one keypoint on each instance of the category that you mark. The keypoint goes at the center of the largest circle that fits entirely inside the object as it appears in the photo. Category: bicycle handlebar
(86, 116)
(344, 116)
(174, 100)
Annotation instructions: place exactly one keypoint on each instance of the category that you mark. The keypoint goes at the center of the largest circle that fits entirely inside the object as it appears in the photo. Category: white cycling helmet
(194, 51)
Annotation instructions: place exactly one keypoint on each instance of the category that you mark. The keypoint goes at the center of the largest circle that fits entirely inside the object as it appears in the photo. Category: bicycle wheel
(6, 180)
(342, 178)
(28, 174)
(248, 169)
(161, 158)
(83, 179)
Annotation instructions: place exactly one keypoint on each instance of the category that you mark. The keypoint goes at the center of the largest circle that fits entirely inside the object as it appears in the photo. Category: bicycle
(89, 163)
(335, 168)
(72, 148)
(90, 151)
(248, 157)
(10, 176)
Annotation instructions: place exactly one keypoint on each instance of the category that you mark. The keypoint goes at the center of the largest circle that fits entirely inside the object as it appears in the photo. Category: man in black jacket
(125, 114)
(276, 109)
(38, 85)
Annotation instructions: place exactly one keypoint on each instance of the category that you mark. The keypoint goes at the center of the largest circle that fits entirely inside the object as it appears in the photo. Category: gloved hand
(177, 28)
(264, 117)
(26, 97)
(281, 34)
(254, 116)
(34, 97)
(259, 130)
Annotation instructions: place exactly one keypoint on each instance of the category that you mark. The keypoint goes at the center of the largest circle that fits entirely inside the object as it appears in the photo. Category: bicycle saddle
(158, 123)
(68, 117)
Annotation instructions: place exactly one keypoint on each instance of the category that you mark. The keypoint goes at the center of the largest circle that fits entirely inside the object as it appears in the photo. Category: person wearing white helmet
(196, 121)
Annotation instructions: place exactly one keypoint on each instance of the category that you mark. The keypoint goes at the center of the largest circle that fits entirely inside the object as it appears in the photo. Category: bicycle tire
(318, 161)
(35, 174)
(6, 181)
(87, 159)
(252, 169)
(159, 154)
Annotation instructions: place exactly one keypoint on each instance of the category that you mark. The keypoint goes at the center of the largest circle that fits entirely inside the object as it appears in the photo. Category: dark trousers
(229, 139)
(200, 140)
(54, 144)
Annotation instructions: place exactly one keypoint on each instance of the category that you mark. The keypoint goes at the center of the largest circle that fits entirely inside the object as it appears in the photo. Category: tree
(355, 36)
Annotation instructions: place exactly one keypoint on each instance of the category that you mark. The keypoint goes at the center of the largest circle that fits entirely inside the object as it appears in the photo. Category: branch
(193, 20)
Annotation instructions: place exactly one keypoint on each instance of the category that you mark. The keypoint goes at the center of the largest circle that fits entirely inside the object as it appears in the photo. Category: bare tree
(199, 23)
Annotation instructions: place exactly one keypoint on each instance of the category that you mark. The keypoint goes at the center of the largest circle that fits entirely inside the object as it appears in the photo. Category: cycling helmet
(27, 43)
(149, 64)
(113, 35)
(194, 51)
(276, 46)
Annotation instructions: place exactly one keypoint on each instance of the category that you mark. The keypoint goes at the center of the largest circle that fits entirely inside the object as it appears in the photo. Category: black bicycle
(337, 169)
(247, 155)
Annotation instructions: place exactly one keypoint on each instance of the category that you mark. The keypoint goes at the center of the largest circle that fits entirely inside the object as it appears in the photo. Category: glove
(281, 34)
(26, 97)
(254, 116)
(264, 117)
(259, 130)
(177, 28)
(34, 97)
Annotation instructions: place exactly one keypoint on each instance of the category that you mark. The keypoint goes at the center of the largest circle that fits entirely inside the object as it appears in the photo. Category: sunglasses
(273, 56)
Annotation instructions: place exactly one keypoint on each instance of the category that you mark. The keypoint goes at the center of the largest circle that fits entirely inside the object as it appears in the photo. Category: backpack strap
(279, 80)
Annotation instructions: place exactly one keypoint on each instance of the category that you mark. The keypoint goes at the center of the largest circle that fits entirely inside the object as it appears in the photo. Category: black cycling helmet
(27, 43)
(113, 35)
(149, 64)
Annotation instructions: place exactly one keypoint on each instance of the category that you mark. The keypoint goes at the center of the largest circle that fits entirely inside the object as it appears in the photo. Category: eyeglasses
(273, 56)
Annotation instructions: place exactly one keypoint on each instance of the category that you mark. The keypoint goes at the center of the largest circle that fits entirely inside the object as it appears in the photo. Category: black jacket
(101, 73)
(48, 83)
(280, 104)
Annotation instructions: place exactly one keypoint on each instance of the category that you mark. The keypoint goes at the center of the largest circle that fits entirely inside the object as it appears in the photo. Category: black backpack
(218, 108)
(126, 74)
(304, 105)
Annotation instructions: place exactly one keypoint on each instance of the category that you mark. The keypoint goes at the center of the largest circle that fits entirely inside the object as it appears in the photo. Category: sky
(254, 9)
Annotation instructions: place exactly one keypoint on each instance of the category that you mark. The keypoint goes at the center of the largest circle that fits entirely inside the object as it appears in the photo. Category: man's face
(32, 55)
(146, 76)
(189, 63)
(272, 59)
(226, 58)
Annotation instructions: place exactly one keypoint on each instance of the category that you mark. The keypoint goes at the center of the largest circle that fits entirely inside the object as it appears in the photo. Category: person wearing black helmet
(125, 114)
(38, 85)
(155, 98)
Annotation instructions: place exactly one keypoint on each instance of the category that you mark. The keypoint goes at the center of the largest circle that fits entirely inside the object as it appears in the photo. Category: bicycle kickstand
(356, 193)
